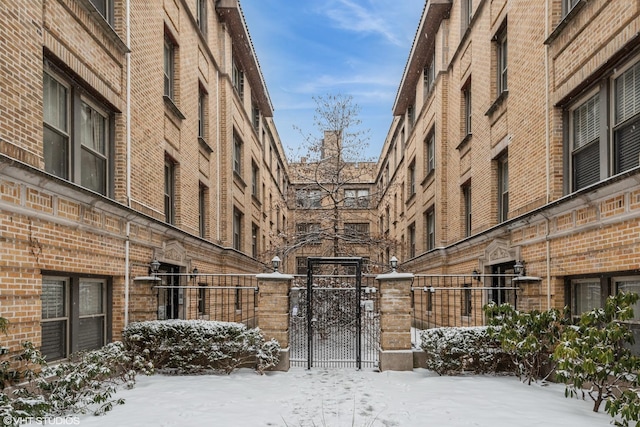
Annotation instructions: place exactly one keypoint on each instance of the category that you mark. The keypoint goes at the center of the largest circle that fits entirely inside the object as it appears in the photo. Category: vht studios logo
(39, 421)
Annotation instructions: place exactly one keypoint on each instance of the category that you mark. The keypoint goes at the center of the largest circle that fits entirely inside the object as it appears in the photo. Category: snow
(345, 397)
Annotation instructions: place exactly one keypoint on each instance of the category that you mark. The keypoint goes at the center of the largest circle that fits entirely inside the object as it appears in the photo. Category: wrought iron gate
(334, 316)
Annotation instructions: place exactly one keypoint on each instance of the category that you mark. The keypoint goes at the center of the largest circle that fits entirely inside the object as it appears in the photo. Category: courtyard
(345, 397)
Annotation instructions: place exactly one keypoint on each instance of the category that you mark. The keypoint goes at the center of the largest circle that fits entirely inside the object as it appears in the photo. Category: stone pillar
(395, 322)
(273, 312)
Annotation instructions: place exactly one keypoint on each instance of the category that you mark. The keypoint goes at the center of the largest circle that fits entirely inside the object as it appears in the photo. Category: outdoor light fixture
(394, 263)
(518, 268)
(276, 263)
(155, 266)
(194, 273)
(476, 275)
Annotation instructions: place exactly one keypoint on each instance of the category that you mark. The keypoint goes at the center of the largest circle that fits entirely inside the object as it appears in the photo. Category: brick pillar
(395, 322)
(273, 312)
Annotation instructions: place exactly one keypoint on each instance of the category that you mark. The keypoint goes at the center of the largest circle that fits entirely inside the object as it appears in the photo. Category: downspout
(218, 165)
(128, 160)
(547, 147)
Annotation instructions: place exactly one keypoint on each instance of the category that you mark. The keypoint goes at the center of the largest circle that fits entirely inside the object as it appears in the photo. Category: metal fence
(457, 300)
(222, 297)
(335, 337)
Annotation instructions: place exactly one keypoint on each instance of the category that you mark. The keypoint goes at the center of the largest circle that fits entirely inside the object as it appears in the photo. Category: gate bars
(327, 326)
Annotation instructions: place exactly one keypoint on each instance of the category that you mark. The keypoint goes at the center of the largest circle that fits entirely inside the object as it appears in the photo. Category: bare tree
(333, 187)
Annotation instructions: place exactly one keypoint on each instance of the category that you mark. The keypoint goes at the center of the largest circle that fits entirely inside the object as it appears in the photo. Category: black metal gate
(334, 316)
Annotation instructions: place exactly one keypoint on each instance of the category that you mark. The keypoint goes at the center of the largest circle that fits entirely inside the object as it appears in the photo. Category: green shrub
(529, 338)
(194, 346)
(451, 351)
(87, 384)
(596, 354)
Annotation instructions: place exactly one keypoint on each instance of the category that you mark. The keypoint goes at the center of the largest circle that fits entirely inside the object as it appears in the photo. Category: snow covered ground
(345, 397)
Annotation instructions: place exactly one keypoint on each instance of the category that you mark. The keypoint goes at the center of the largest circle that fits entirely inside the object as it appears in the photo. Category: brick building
(522, 154)
(140, 131)
(129, 131)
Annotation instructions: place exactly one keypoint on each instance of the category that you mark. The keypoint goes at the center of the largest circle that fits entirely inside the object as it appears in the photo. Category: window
(587, 295)
(466, 203)
(630, 285)
(357, 230)
(430, 75)
(308, 199)
(86, 139)
(411, 187)
(466, 300)
(602, 144)
(430, 153)
(466, 99)
(169, 191)
(501, 51)
(255, 232)
(237, 154)
(255, 116)
(255, 180)
(201, 15)
(503, 188)
(237, 230)
(585, 154)
(430, 227)
(169, 67)
(467, 14)
(356, 198)
(65, 331)
(203, 196)
(412, 240)
(238, 80)
(308, 232)
(105, 7)
(301, 265)
(202, 113)
(568, 5)
(411, 115)
(626, 142)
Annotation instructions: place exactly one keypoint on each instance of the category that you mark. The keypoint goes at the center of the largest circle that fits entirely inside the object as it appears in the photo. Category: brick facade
(74, 232)
(182, 161)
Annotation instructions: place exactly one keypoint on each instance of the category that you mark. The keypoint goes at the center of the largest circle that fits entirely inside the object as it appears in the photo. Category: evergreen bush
(529, 338)
(451, 351)
(196, 346)
(594, 358)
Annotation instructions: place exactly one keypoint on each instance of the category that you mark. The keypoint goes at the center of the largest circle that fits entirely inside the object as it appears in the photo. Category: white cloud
(352, 16)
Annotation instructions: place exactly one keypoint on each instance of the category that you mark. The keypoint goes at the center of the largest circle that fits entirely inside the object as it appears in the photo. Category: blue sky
(310, 48)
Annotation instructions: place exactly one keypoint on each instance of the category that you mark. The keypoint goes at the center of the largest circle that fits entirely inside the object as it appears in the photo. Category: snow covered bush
(86, 384)
(594, 357)
(529, 338)
(194, 346)
(451, 351)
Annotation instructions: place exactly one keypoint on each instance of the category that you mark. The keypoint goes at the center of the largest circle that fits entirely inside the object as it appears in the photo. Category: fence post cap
(276, 275)
(394, 275)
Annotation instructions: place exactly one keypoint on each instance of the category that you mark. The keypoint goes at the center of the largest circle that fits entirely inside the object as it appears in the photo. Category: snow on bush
(451, 351)
(85, 384)
(196, 346)
(528, 337)
(594, 357)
